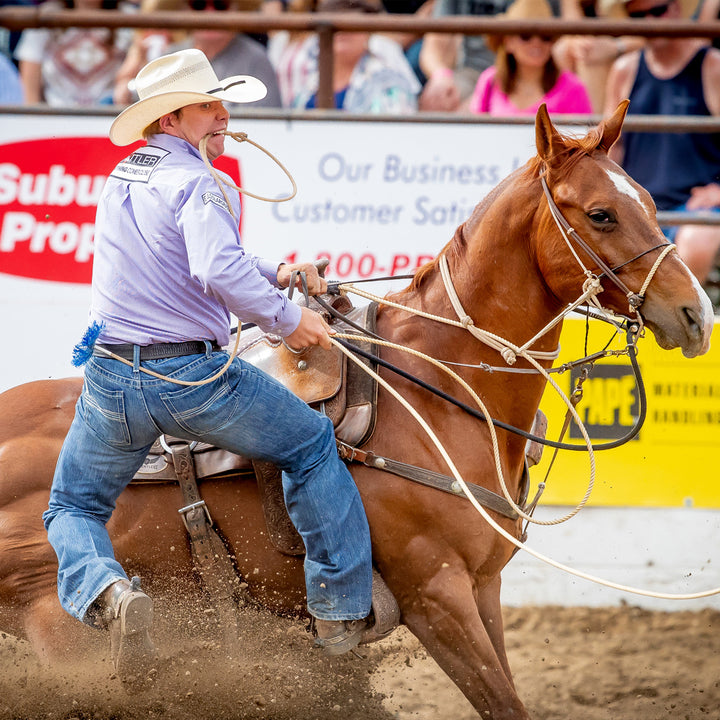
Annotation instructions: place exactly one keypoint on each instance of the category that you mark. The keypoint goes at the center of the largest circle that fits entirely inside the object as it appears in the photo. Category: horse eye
(601, 217)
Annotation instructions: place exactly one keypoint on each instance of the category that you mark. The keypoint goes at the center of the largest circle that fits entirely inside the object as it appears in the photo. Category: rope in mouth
(242, 137)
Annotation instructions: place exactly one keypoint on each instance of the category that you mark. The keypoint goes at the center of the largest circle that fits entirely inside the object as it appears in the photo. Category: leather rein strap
(635, 300)
(430, 478)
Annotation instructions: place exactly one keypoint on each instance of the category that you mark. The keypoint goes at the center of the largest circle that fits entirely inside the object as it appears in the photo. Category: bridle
(591, 288)
(635, 300)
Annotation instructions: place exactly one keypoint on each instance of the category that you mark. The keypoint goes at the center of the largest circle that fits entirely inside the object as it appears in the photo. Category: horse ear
(611, 127)
(547, 139)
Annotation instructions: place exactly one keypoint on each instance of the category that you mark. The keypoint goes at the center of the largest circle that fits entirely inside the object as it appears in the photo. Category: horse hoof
(131, 648)
(336, 637)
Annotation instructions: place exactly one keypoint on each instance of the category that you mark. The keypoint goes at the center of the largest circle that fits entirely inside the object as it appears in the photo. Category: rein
(509, 352)
(629, 350)
(520, 544)
(504, 533)
(635, 300)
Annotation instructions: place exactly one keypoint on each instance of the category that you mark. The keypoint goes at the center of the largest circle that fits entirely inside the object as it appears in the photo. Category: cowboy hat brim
(128, 126)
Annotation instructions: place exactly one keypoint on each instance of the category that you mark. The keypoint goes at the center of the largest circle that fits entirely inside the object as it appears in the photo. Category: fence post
(325, 94)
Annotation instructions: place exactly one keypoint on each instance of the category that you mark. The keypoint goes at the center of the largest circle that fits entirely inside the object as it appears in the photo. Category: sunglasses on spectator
(656, 12)
(543, 38)
(201, 5)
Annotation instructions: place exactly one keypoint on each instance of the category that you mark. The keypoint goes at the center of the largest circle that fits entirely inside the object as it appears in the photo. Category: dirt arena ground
(569, 663)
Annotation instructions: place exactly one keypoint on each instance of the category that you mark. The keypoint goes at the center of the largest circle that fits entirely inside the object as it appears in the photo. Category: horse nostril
(693, 322)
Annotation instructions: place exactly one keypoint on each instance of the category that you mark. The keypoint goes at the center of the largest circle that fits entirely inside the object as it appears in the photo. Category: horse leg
(490, 610)
(54, 635)
(446, 620)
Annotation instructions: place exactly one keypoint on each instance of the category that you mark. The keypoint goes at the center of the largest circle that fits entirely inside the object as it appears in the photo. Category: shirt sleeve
(32, 44)
(217, 260)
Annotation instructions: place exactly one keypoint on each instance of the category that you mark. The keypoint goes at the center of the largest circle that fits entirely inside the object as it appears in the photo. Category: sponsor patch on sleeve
(215, 199)
(139, 166)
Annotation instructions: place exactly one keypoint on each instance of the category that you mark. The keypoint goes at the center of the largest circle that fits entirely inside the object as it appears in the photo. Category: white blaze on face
(623, 185)
(708, 314)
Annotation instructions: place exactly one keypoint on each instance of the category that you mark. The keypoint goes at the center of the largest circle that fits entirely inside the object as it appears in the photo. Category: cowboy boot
(336, 637)
(128, 616)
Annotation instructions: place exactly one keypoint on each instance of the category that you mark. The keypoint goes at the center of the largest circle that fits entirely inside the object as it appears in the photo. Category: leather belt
(156, 351)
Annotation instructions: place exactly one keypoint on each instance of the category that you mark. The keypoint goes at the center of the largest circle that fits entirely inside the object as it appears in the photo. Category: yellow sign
(673, 460)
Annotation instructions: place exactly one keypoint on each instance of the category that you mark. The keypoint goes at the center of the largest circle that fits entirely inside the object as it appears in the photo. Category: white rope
(238, 137)
(242, 137)
(511, 538)
(494, 341)
(491, 427)
(590, 289)
(668, 249)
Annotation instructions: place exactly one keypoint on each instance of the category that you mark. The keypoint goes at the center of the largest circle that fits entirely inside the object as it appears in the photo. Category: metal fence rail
(327, 24)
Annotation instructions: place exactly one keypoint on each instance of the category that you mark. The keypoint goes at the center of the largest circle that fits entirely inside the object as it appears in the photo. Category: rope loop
(466, 321)
(243, 137)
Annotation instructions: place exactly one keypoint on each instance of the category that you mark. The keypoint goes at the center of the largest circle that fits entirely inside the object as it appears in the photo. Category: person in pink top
(525, 74)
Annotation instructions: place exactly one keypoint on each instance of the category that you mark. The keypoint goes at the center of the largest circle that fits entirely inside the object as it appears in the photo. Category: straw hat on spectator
(173, 81)
(520, 10)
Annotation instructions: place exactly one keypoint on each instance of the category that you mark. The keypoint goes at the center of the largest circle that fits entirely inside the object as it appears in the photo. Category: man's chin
(215, 148)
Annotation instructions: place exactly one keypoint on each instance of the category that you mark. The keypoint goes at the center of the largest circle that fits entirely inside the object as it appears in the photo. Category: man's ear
(168, 122)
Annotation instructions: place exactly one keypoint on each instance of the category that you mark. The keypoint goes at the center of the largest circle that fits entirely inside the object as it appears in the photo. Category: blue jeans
(121, 412)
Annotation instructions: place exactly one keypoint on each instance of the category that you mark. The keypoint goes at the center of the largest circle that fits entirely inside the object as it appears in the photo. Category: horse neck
(500, 287)
(494, 268)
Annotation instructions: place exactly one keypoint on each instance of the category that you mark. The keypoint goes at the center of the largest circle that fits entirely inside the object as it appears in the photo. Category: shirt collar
(174, 144)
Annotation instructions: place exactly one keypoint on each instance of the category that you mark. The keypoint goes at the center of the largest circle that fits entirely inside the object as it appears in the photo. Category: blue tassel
(82, 352)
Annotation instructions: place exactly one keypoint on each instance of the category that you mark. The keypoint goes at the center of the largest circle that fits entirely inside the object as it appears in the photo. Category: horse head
(611, 231)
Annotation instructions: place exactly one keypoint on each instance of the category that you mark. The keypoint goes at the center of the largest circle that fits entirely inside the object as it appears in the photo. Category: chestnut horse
(513, 272)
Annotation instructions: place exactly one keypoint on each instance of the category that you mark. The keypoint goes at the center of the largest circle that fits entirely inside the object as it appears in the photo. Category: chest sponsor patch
(139, 166)
(209, 197)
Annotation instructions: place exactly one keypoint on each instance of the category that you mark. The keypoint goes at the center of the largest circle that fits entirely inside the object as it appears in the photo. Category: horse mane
(563, 162)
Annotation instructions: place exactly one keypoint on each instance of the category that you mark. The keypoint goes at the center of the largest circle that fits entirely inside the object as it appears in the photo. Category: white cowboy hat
(173, 81)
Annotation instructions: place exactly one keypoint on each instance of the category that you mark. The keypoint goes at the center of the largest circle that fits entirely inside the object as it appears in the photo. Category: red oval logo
(49, 190)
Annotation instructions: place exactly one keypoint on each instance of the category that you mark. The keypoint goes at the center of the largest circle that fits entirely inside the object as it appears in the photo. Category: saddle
(333, 385)
(326, 380)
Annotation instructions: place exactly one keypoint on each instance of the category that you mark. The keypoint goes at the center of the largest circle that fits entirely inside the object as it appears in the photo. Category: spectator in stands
(293, 54)
(452, 63)
(525, 75)
(229, 53)
(673, 76)
(371, 73)
(147, 45)
(11, 92)
(232, 53)
(73, 66)
(590, 56)
(410, 42)
(9, 38)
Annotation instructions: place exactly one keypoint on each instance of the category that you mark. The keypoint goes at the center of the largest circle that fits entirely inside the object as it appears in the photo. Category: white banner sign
(377, 199)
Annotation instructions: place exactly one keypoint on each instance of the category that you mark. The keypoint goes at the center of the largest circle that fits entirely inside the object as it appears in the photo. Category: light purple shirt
(169, 265)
